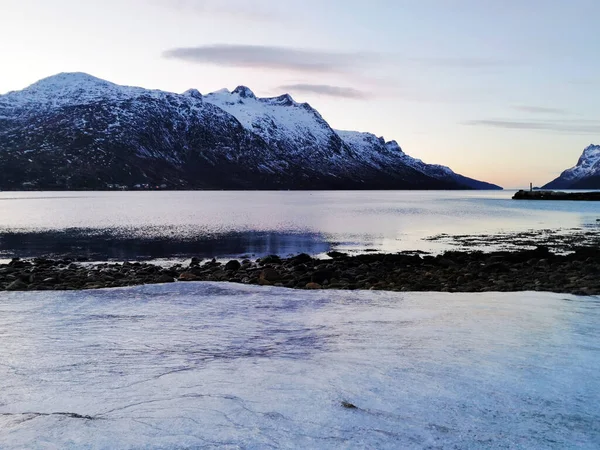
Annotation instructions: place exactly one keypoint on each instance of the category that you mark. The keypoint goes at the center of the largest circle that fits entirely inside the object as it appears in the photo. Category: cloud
(325, 89)
(540, 110)
(314, 61)
(565, 126)
(272, 57)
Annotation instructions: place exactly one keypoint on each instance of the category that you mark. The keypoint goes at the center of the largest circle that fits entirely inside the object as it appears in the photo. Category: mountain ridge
(584, 175)
(76, 131)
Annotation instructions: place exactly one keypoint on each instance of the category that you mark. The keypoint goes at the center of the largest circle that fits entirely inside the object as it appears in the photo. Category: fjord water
(160, 224)
(205, 365)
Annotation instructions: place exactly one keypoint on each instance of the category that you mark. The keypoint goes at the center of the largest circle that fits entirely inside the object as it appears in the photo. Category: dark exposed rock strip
(563, 240)
(525, 270)
(556, 195)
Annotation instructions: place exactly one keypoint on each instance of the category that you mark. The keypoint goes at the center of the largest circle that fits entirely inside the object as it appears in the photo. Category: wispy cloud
(326, 89)
(273, 57)
(540, 109)
(564, 126)
(315, 61)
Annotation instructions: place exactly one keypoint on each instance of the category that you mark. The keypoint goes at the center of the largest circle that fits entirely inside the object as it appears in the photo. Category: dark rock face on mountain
(585, 175)
(74, 131)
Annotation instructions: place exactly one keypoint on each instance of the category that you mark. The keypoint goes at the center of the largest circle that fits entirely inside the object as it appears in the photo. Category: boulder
(321, 276)
(335, 254)
(188, 276)
(164, 278)
(16, 285)
(234, 264)
(302, 258)
(270, 259)
(270, 275)
(195, 261)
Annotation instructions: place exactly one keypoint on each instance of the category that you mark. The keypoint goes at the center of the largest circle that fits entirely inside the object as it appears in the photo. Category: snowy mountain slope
(376, 151)
(72, 89)
(298, 129)
(294, 130)
(122, 136)
(74, 131)
(584, 175)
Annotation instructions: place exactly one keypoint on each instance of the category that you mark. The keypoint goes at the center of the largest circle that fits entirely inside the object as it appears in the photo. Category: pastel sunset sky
(507, 91)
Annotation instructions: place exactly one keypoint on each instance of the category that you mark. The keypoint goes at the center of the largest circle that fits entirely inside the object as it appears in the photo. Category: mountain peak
(592, 148)
(282, 100)
(393, 146)
(584, 175)
(194, 93)
(244, 92)
(72, 88)
(590, 155)
(68, 80)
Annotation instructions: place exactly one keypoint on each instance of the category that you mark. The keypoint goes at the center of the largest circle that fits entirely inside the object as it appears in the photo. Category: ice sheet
(230, 366)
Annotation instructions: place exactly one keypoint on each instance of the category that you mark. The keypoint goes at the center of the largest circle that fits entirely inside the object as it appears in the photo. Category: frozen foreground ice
(231, 366)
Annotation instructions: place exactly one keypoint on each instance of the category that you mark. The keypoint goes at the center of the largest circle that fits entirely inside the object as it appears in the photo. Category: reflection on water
(128, 225)
(111, 245)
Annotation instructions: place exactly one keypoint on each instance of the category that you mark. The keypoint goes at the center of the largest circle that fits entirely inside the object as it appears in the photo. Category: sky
(503, 91)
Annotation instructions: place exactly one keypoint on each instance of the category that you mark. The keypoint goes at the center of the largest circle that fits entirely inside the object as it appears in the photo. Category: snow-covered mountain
(584, 175)
(373, 150)
(73, 131)
(297, 127)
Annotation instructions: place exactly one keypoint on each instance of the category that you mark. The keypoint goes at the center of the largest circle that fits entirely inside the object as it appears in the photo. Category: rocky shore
(454, 271)
(556, 195)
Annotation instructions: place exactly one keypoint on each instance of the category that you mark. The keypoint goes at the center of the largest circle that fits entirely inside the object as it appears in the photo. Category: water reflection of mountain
(98, 244)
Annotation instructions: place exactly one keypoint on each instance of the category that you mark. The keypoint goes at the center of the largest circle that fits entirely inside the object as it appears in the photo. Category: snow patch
(207, 365)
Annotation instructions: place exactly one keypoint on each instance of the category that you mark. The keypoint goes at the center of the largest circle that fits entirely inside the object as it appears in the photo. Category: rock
(164, 278)
(195, 261)
(446, 262)
(188, 276)
(302, 258)
(300, 268)
(495, 267)
(264, 282)
(312, 285)
(234, 264)
(334, 254)
(271, 259)
(16, 285)
(16, 263)
(321, 275)
(348, 405)
(270, 275)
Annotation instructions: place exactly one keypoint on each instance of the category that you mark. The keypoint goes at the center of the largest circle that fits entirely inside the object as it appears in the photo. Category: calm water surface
(129, 225)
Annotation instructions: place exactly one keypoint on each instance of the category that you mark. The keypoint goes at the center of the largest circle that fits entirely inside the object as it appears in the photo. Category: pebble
(454, 271)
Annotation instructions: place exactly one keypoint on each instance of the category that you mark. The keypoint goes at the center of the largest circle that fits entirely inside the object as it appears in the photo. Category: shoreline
(453, 271)
(541, 194)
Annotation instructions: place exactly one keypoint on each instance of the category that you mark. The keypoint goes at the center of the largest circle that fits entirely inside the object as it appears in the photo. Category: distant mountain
(375, 151)
(75, 131)
(585, 175)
